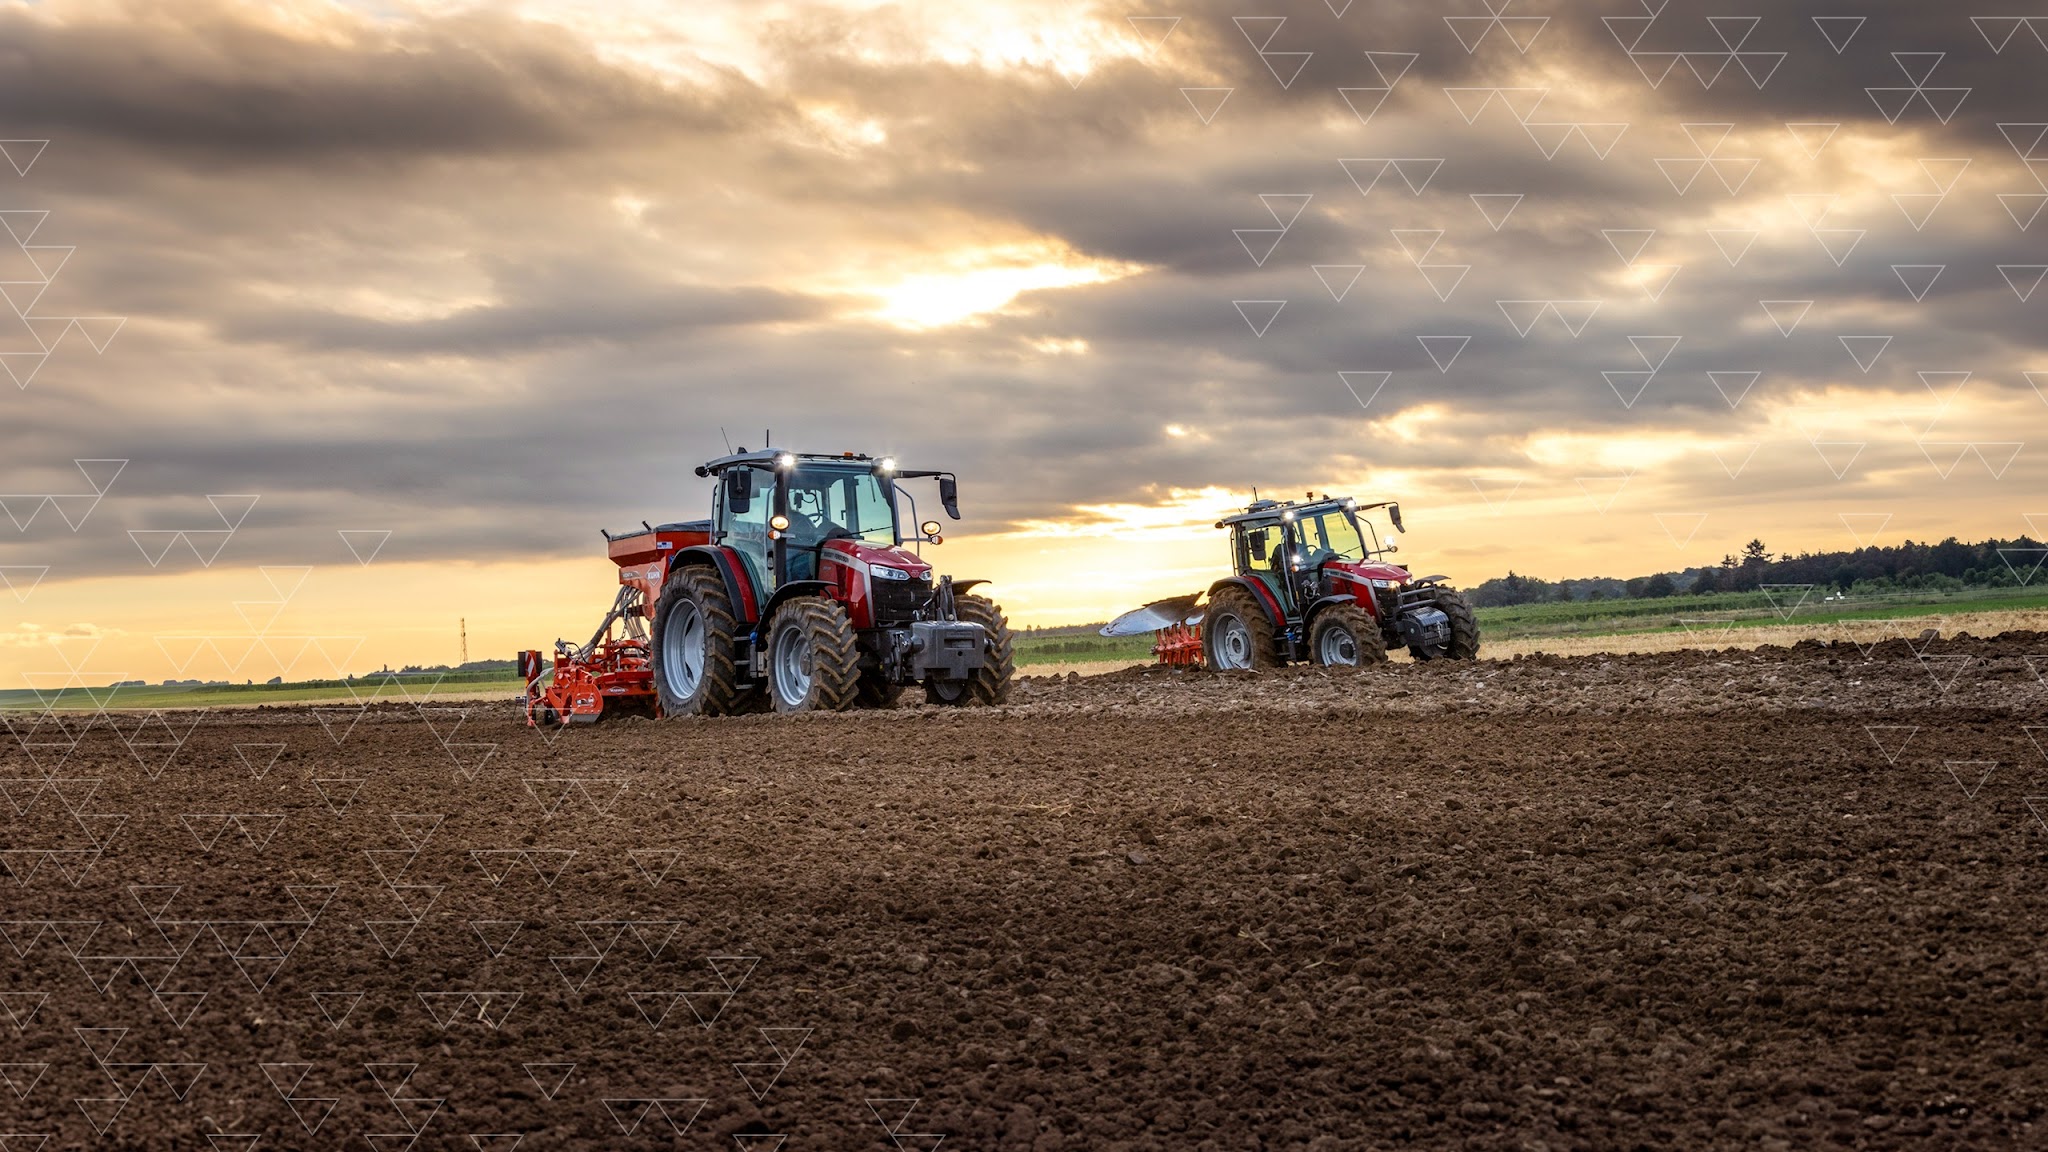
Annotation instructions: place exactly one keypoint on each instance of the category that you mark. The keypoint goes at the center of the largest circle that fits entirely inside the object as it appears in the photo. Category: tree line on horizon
(1949, 566)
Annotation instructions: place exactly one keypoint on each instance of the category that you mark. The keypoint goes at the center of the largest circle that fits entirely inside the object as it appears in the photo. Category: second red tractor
(1309, 583)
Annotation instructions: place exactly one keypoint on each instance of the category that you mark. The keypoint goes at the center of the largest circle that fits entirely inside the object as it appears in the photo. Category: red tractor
(1309, 585)
(797, 595)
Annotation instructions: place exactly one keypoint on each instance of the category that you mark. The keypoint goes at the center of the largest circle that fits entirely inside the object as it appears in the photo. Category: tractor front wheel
(1464, 625)
(991, 685)
(692, 646)
(1346, 634)
(1236, 635)
(813, 664)
(1464, 642)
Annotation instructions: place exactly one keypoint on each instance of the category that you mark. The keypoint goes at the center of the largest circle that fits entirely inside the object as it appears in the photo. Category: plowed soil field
(1787, 898)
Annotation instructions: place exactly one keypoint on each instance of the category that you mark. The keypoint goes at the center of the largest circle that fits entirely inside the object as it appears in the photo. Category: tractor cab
(781, 512)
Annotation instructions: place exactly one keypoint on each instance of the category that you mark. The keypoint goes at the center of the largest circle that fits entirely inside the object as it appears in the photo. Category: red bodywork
(846, 564)
(1355, 577)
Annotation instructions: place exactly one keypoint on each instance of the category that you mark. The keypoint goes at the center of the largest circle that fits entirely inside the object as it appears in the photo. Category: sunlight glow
(984, 281)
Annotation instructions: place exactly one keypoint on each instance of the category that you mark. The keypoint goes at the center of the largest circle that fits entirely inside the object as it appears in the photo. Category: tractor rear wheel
(991, 685)
(1236, 635)
(1346, 634)
(813, 663)
(692, 645)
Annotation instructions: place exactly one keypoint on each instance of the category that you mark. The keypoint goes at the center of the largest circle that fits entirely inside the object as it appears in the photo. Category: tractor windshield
(835, 500)
(1330, 533)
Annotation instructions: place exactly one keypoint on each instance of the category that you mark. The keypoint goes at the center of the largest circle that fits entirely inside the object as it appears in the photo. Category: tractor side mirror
(739, 490)
(1258, 546)
(949, 496)
(1394, 514)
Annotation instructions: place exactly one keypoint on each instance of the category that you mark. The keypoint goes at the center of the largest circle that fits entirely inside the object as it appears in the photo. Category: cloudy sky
(1592, 287)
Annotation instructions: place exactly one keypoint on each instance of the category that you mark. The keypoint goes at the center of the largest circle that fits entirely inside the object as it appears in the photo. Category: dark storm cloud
(203, 82)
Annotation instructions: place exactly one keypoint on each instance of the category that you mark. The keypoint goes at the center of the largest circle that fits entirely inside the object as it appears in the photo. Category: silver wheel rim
(792, 664)
(1338, 646)
(682, 649)
(1233, 644)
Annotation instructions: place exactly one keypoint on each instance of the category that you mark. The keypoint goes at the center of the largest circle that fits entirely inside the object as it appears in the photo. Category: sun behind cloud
(977, 282)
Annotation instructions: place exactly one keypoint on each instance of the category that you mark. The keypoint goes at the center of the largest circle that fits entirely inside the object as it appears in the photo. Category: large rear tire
(1346, 634)
(813, 661)
(1236, 635)
(691, 647)
(991, 685)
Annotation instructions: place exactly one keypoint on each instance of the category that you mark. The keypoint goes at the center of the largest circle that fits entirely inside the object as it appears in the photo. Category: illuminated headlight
(886, 466)
(1351, 504)
(884, 572)
(1287, 516)
(1384, 583)
(786, 461)
(778, 522)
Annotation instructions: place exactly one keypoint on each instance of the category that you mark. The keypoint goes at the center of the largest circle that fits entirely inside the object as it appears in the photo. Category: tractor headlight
(786, 461)
(779, 522)
(886, 465)
(884, 572)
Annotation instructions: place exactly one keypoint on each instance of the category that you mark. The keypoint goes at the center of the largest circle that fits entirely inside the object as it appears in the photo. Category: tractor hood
(864, 554)
(1367, 570)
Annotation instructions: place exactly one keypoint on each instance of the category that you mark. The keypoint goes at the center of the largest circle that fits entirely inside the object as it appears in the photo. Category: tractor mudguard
(1308, 618)
(964, 585)
(790, 591)
(739, 589)
(1259, 592)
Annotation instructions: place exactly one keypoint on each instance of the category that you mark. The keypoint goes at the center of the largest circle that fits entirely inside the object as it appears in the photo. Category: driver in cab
(809, 527)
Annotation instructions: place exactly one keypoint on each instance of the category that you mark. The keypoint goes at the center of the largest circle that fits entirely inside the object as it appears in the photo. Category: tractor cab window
(828, 500)
(833, 502)
(747, 531)
(1264, 557)
(1329, 534)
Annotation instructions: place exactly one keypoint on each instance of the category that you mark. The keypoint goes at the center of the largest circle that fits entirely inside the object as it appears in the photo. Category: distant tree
(1657, 587)
(1754, 553)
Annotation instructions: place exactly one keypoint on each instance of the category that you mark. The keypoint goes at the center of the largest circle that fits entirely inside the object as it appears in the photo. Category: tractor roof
(1266, 510)
(766, 457)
